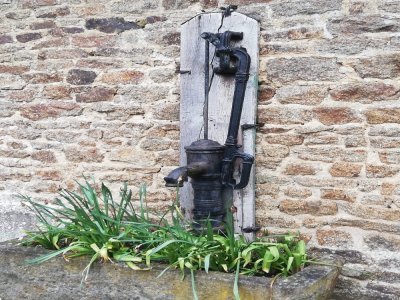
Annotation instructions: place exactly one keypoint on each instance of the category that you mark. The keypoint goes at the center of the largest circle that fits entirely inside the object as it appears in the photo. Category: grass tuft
(95, 224)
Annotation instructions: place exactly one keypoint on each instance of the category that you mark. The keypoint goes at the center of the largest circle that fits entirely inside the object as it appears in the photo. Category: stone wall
(91, 87)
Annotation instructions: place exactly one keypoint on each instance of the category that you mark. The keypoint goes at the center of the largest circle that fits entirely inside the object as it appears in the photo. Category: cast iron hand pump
(209, 164)
(233, 61)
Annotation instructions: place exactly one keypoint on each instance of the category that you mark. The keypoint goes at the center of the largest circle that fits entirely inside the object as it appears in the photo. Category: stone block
(344, 169)
(389, 157)
(299, 169)
(81, 77)
(52, 43)
(381, 171)
(389, 6)
(62, 54)
(321, 154)
(371, 211)
(337, 194)
(287, 70)
(311, 207)
(297, 7)
(40, 111)
(122, 77)
(303, 94)
(285, 139)
(111, 25)
(96, 94)
(334, 238)
(283, 115)
(379, 66)
(11, 82)
(42, 25)
(4, 39)
(390, 227)
(360, 24)
(382, 115)
(44, 156)
(367, 92)
(36, 3)
(296, 192)
(88, 155)
(93, 41)
(382, 242)
(57, 92)
(52, 13)
(27, 37)
(334, 115)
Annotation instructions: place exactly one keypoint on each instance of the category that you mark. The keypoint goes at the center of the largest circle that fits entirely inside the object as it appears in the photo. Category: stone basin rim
(314, 282)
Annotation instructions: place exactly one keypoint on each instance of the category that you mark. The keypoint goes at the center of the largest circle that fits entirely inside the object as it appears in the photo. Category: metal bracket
(250, 126)
(227, 10)
(251, 229)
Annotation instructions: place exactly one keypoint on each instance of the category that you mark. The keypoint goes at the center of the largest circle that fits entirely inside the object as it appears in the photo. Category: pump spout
(176, 177)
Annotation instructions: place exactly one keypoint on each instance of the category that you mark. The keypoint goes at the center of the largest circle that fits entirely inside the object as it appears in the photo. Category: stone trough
(58, 279)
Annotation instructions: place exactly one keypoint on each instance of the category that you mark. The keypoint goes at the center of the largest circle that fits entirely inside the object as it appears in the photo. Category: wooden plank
(220, 99)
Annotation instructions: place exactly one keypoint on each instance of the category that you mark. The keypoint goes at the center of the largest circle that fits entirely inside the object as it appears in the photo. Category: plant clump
(96, 225)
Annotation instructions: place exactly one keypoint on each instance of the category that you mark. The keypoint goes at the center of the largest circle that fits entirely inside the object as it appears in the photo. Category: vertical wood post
(220, 101)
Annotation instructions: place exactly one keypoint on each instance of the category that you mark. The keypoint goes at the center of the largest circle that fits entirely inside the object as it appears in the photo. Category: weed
(97, 225)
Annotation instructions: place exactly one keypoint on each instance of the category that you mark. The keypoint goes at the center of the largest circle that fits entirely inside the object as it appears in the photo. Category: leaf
(267, 260)
(160, 247)
(163, 271)
(54, 241)
(225, 267)
(181, 262)
(195, 297)
(127, 257)
(289, 264)
(301, 247)
(207, 262)
(274, 251)
(235, 284)
(257, 263)
(132, 265)
(188, 265)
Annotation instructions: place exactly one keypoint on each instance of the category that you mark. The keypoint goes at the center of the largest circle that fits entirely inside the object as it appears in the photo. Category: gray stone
(11, 82)
(388, 291)
(52, 13)
(125, 6)
(286, 70)
(392, 130)
(391, 6)
(4, 39)
(177, 4)
(27, 37)
(306, 95)
(363, 24)
(350, 289)
(13, 223)
(111, 25)
(81, 77)
(60, 279)
(296, 7)
(381, 242)
(384, 66)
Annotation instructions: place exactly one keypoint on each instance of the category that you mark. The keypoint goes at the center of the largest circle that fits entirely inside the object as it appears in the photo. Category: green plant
(94, 224)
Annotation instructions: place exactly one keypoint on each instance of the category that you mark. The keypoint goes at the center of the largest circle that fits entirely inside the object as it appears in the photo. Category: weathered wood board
(220, 100)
